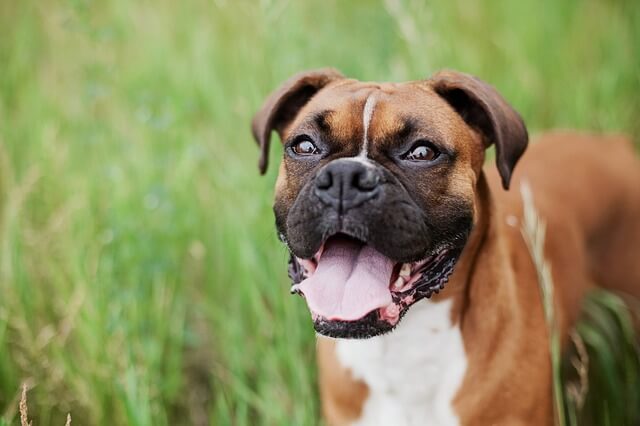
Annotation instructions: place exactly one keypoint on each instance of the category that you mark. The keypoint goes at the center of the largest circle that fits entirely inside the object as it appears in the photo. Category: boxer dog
(410, 255)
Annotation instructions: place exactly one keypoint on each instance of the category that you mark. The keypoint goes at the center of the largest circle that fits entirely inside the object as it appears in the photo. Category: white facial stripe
(367, 113)
(362, 159)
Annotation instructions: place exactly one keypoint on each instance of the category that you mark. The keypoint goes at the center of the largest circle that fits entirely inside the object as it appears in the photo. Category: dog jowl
(374, 198)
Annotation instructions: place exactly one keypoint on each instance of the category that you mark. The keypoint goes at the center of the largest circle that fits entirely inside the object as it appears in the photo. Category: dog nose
(344, 184)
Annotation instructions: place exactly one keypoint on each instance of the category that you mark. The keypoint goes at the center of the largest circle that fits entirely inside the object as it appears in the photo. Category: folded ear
(281, 107)
(482, 108)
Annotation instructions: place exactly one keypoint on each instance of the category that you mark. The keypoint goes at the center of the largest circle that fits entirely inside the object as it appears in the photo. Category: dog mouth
(354, 291)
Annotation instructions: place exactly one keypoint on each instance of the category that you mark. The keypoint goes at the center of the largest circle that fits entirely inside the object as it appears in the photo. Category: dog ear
(482, 108)
(281, 107)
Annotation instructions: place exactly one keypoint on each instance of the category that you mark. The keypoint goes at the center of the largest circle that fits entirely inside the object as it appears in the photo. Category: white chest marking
(414, 372)
(367, 113)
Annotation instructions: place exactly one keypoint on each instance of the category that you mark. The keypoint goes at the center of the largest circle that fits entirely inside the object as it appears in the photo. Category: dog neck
(473, 289)
(494, 311)
(459, 287)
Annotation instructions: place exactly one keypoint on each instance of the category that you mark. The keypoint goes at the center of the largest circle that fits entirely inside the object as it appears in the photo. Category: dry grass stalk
(24, 409)
(577, 391)
(24, 412)
(533, 231)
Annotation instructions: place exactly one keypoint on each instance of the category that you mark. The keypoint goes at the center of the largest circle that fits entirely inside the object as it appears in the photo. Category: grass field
(141, 281)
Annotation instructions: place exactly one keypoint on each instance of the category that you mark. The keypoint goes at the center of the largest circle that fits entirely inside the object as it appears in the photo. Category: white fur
(367, 113)
(512, 220)
(359, 159)
(414, 372)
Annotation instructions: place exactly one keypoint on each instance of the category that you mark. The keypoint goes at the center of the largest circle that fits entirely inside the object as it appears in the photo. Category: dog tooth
(405, 271)
(398, 284)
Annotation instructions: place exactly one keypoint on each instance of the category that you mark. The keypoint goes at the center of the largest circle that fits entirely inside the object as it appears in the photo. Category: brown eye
(304, 147)
(422, 152)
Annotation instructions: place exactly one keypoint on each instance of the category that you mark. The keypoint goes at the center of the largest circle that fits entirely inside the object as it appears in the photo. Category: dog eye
(304, 147)
(422, 151)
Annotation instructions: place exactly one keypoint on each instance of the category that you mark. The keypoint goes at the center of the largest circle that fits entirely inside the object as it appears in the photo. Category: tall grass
(141, 281)
(611, 340)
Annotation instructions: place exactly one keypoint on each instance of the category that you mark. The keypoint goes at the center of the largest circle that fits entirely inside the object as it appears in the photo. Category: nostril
(365, 180)
(324, 180)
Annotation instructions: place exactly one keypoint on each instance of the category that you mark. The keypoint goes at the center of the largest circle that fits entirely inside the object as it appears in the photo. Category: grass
(141, 281)
(613, 349)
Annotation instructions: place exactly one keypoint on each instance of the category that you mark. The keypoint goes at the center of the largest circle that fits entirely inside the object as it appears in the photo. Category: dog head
(375, 194)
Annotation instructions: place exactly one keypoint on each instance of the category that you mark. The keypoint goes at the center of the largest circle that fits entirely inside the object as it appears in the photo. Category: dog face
(375, 195)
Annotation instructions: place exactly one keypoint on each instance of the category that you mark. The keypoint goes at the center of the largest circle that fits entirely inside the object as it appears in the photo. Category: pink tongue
(351, 280)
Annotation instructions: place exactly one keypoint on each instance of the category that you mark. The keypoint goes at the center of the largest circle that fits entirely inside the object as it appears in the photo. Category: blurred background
(141, 281)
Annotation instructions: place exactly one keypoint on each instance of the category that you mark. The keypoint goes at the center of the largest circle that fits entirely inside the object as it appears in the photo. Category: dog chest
(414, 372)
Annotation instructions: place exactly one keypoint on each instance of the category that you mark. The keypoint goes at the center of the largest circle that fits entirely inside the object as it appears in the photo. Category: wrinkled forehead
(367, 114)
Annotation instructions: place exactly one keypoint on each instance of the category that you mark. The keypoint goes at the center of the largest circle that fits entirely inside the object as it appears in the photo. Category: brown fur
(585, 187)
